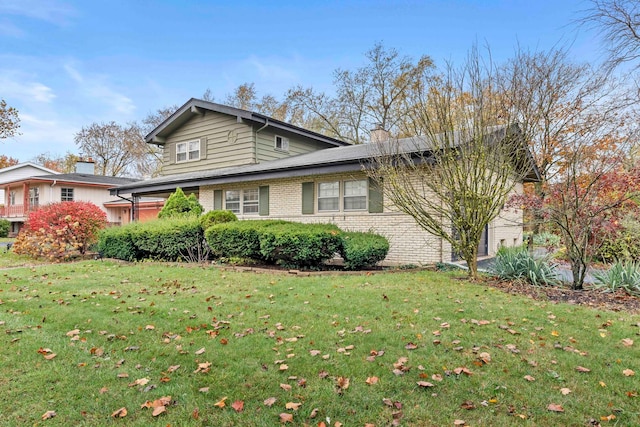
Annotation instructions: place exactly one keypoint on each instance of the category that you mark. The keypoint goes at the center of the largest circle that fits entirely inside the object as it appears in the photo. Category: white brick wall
(409, 244)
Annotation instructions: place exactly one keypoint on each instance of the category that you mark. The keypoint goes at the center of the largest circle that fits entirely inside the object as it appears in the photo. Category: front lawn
(87, 339)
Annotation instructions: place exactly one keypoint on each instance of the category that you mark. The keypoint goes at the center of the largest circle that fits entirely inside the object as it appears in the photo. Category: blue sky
(67, 64)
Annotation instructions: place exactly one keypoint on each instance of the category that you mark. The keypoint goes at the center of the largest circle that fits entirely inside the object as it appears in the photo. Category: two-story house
(259, 167)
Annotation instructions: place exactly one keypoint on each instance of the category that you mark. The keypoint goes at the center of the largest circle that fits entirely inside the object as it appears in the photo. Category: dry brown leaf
(286, 418)
(459, 423)
(50, 356)
(372, 380)
(554, 407)
(199, 352)
(462, 370)
(425, 384)
(283, 367)
(173, 368)
(608, 418)
(342, 383)
(119, 413)
(565, 391)
(159, 410)
(529, 378)
(583, 369)
(149, 327)
(103, 390)
(627, 342)
(293, 405)
(123, 375)
(270, 401)
(628, 373)
(203, 367)
(220, 403)
(285, 387)
(74, 332)
(203, 389)
(485, 357)
(238, 405)
(314, 413)
(140, 381)
(48, 415)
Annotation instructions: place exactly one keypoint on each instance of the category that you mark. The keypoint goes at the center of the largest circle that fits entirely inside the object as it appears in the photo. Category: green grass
(263, 321)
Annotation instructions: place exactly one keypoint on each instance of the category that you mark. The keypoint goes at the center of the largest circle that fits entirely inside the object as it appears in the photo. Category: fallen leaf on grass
(372, 380)
(203, 367)
(583, 369)
(425, 384)
(608, 418)
(199, 352)
(462, 370)
(627, 342)
(103, 390)
(220, 403)
(529, 378)
(554, 407)
(48, 415)
(203, 389)
(628, 373)
(158, 410)
(285, 387)
(119, 413)
(565, 391)
(50, 356)
(73, 332)
(270, 401)
(173, 368)
(342, 383)
(286, 418)
(238, 405)
(485, 357)
(293, 405)
(459, 423)
(468, 405)
(140, 381)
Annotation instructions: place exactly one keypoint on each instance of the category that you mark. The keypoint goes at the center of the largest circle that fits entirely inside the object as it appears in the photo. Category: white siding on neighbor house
(220, 150)
(17, 174)
(409, 244)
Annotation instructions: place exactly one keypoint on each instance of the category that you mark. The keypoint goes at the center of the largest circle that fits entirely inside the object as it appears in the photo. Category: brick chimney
(378, 134)
(85, 166)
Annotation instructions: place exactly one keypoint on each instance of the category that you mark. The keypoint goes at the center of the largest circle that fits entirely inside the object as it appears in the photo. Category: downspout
(51, 189)
(255, 148)
(133, 205)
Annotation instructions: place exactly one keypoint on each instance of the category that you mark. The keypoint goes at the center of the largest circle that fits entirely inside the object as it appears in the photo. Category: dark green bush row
(363, 250)
(164, 240)
(216, 217)
(295, 245)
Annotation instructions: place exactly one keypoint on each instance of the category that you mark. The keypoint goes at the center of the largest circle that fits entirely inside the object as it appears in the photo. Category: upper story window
(12, 198)
(34, 197)
(188, 151)
(246, 202)
(66, 194)
(281, 143)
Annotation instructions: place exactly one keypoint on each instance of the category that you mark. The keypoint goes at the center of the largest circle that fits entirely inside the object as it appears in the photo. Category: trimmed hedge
(239, 239)
(162, 240)
(300, 245)
(363, 250)
(216, 217)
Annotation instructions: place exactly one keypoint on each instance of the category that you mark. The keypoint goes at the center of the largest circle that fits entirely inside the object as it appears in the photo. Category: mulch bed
(614, 301)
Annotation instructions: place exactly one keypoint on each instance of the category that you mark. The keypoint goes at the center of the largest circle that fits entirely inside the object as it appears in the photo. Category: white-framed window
(188, 151)
(12, 198)
(66, 194)
(355, 195)
(250, 201)
(244, 202)
(34, 197)
(281, 143)
(328, 196)
(232, 201)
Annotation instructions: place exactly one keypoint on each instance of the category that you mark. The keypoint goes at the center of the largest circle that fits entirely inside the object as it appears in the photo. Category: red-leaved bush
(60, 230)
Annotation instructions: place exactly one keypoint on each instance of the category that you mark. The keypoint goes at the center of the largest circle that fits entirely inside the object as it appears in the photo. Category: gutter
(255, 146)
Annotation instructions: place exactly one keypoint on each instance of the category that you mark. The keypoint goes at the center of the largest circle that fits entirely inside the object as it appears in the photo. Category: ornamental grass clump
(517, 263)
(621, 275)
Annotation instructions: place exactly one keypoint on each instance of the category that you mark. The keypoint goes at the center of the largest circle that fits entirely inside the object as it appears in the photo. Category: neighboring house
(26, 194)
(20, 171)
(262, 168)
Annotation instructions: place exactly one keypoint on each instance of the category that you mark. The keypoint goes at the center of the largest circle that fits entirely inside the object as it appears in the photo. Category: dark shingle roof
(83, 178)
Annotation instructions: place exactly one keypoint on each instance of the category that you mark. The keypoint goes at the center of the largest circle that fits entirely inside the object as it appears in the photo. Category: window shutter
(217, 200)
(203, 148)
(308, 197)
(172, 153)
(285, 144)
(376, 199)
(263, 204)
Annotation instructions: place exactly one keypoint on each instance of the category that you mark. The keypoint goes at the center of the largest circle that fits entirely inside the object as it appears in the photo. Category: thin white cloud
(40, 136)
(52, 11)
(98, 90)
(7, 28)
(13, 86)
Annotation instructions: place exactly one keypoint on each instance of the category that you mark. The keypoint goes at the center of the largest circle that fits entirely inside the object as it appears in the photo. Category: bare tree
(619, 24)
(64, 164)
(9, 120)
(373, 95)
(116, 149)
(456, 177)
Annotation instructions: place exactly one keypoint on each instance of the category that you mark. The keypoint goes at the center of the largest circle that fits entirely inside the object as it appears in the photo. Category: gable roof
(27, 164)
(80, 178)
(331, 160)
(195, 107)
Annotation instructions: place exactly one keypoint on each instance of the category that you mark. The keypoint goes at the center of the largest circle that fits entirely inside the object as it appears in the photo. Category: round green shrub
(5, 226)
(216, 217)
(363, 250)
